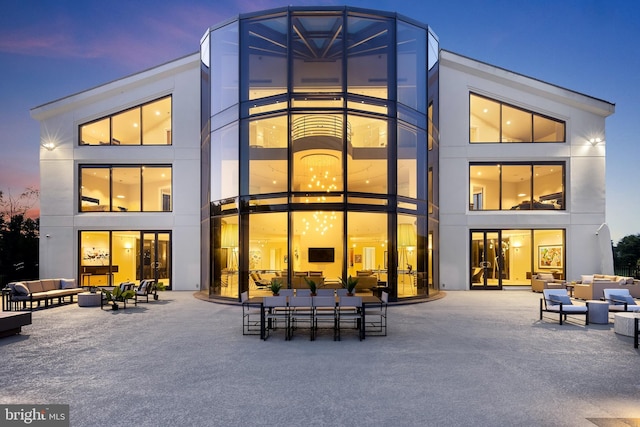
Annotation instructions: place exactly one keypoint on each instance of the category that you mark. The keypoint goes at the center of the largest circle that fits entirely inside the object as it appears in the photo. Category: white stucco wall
(585, 165)
(60, 220)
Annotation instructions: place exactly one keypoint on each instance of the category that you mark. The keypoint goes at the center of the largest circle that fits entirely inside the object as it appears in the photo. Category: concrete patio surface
(473, 358)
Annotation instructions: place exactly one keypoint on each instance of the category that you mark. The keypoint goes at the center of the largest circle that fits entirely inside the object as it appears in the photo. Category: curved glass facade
(319, 148)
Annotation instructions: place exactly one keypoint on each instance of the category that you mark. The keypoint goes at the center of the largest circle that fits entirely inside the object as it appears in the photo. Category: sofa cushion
(34, 286)
(21, 289)
(559, 299)
(68, 284)
(49, 284)
(622, 299)
(547, 277)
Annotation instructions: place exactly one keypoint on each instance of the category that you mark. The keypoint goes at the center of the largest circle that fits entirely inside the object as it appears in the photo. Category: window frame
(532, 202)
(501, 135)
(110, 117)
(110, 168)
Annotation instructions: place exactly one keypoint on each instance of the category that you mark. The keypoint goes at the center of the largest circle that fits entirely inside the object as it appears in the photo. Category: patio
(471, 358)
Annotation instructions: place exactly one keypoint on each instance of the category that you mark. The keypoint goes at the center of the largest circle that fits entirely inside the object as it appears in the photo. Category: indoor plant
(349, 284)
(312, 286)
(275, 286)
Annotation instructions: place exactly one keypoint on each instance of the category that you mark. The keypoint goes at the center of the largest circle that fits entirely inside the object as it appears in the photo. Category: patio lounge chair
(620, 300)
(557, 301)
(145, 288)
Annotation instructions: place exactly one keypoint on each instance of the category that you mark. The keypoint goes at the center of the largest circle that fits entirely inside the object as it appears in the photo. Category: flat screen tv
(321, 255)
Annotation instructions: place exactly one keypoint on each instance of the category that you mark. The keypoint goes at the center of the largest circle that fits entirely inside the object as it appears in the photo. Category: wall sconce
(595, 141)
(127, 247)
(49, 145)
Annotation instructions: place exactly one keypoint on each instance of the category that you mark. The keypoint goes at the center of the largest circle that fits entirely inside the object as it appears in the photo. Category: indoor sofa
(541, 281)
(41, 293)
(591, 287)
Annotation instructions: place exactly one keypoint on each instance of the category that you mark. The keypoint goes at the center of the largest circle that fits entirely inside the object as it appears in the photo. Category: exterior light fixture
(49, 145)
(595, 141)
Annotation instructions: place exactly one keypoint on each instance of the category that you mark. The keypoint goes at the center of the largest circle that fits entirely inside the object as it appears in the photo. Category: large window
(111, 257)
(148, 124)
(516, 186)
(105, 188)
(495, 121)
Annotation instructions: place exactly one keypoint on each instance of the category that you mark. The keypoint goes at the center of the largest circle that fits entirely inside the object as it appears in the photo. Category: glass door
(486, 259)
(156, 257)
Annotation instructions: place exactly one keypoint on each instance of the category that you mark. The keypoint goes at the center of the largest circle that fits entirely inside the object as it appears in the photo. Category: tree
(19, 236)
(627, 251)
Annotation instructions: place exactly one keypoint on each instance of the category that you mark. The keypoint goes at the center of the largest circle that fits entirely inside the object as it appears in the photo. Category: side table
(89, 299)
(598, 311)
(623, 323)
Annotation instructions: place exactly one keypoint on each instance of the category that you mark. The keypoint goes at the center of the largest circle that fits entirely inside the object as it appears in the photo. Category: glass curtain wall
(305, 172)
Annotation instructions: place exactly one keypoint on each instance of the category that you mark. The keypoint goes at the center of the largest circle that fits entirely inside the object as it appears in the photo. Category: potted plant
(349, 284)
(275, 286)
(117, 295)
(312, 286)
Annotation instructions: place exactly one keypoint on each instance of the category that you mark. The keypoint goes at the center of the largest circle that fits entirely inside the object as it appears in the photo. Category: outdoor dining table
(259, 301)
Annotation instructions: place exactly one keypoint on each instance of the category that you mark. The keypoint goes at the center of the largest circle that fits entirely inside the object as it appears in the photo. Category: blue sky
(51, 49)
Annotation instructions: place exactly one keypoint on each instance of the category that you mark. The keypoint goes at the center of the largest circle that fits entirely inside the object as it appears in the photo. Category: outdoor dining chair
(250, 316)
(275, 311)
(324, 311)
(300, 312)
(376, 316)
(350, 312)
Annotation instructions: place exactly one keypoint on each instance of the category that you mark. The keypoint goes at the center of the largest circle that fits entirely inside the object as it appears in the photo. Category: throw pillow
(547, 277)
(622, 299)
(68, 284)
(587, 278)
(560, 299)
(21, 289)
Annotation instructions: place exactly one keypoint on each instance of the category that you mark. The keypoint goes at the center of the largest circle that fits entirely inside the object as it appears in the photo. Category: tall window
(121, 188)
(516, 186)
(495, 121)
(148, 124)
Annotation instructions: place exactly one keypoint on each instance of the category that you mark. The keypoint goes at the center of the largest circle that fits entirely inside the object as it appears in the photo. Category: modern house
(320, 143)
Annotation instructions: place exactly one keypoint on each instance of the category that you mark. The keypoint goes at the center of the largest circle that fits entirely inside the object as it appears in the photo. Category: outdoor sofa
(593, 286)
(42, 293)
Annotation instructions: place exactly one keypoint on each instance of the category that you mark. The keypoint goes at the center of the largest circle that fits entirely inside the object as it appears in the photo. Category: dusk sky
(51, 49)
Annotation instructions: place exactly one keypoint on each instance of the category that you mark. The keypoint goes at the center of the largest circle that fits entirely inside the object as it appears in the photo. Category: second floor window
(516, 186)
(497, 122)
(148, 124)
(130, 188)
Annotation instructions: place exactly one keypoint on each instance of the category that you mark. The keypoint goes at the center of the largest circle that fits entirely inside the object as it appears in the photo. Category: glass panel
(434, 50)
(516, 125)
(547, 130)
(484, 187)
(267, 52)
(367, 162)
(126, 128)
(94, 191)
(164, 260)
(126, 184)
(268, 155)
(317, 229)
(317, 198)
(317, 152)
(95, 259)
(267, 250)
(407, 255)
(548, 189)
(224, 67)
(409, 139)
(368, 52)
(549, 255)
(367, 105)
(156, 194)
(267, 203)
(318, 101)
(516, 187)
(316, 46)
(96, 133)
(412, 70)
(367, 201)
(516, 270)
(484, 120)
(224, 163)
(367, 237)
(124, 247)
(156, 122)
(228, 256)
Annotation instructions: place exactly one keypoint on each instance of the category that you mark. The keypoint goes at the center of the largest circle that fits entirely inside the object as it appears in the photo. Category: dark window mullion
(141, 169)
